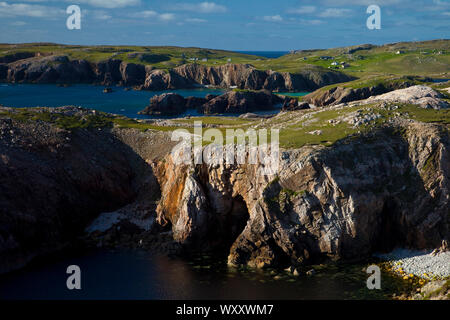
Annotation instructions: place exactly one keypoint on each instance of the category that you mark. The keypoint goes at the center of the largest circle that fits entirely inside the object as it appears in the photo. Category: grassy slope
(418, 58)
(295, 127)
(160, 57)
(372, 66)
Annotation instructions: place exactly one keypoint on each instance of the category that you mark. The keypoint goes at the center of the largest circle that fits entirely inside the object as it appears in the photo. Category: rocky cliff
(369, 192)
(340, 94)
(60, 69)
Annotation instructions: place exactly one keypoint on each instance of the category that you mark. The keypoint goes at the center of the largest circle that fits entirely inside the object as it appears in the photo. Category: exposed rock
(132, 74)
(58, 69)
(435, 290)
(420, 95)
(165, 104)
(293, 105)
(343, 202)
(67, 179)
(338, 95)
(108, 72)
(52, 69)
(155, 80)
(361, 195)
(3, 72)
(195, 102)
(16, 56)
(241, 102)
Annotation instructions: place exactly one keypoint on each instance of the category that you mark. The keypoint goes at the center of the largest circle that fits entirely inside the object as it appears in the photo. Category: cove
(136, 274)
(120, 101)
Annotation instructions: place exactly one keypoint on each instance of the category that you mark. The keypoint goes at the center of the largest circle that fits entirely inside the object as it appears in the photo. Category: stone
(165, 104)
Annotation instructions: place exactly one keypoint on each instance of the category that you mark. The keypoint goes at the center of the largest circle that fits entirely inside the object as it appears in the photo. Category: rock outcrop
(241, 102)
(293, 105)
(61, 69)
(338, 95)
(166, 104)
(345, 202)
(369, 192)
(420, 95)
(169, 104)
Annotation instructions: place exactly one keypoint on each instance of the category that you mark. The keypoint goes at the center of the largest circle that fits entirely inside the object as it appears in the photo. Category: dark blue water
(266, 54)
(440, 80)
(127, 103)
(141, 275)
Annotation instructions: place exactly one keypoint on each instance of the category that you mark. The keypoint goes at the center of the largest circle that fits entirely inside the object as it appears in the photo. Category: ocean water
(120, 101)
(136, 274)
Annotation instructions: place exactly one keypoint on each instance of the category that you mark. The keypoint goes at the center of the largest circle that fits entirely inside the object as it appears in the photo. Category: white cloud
(276, 18)
(101, 15)
(166, 16)
(203, 7)
(195, 20)
(145, 14)
(29, 10)
(363, 2)
(303, 10)
(334, 13)
(18, 23)
(153, 14)
(110, 4)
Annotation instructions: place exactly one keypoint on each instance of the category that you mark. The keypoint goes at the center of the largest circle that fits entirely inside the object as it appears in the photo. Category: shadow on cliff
(51, 189)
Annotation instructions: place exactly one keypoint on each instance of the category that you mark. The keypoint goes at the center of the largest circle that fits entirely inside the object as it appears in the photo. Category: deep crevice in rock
(236, 220)
(389, 228)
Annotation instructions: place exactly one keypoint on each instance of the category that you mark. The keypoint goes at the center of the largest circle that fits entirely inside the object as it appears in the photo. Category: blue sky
(272, 25)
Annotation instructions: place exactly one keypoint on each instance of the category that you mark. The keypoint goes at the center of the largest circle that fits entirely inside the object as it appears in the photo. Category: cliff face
(338, 95)
(60, 69)
(363, 194)
(345, 202)
(53, 182)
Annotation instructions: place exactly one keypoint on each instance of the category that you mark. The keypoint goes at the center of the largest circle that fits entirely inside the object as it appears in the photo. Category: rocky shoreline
(86, 175)
(239, 102)
(60, 69)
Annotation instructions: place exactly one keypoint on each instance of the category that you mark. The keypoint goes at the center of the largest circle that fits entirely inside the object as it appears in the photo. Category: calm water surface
(120, 101)
(135, 274)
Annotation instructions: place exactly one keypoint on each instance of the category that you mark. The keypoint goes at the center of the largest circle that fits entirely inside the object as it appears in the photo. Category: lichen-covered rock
(344, 202)
(423, 96)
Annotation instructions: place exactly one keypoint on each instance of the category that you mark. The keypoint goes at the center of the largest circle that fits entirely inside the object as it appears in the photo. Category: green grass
(225, 121)
(418, 58)
(161, 57)
(429, 58)
(295, 127)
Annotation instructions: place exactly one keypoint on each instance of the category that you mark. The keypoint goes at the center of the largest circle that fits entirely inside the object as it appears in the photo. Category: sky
(253, 25)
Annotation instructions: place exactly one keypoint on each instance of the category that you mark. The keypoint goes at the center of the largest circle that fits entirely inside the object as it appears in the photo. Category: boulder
(423, 96)
(241, 102)
(166, 104)
(155, 80)
(195, 102)
(293, 105)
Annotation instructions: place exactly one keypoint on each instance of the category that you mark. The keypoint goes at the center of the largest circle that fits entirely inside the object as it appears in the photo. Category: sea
(121, 101)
